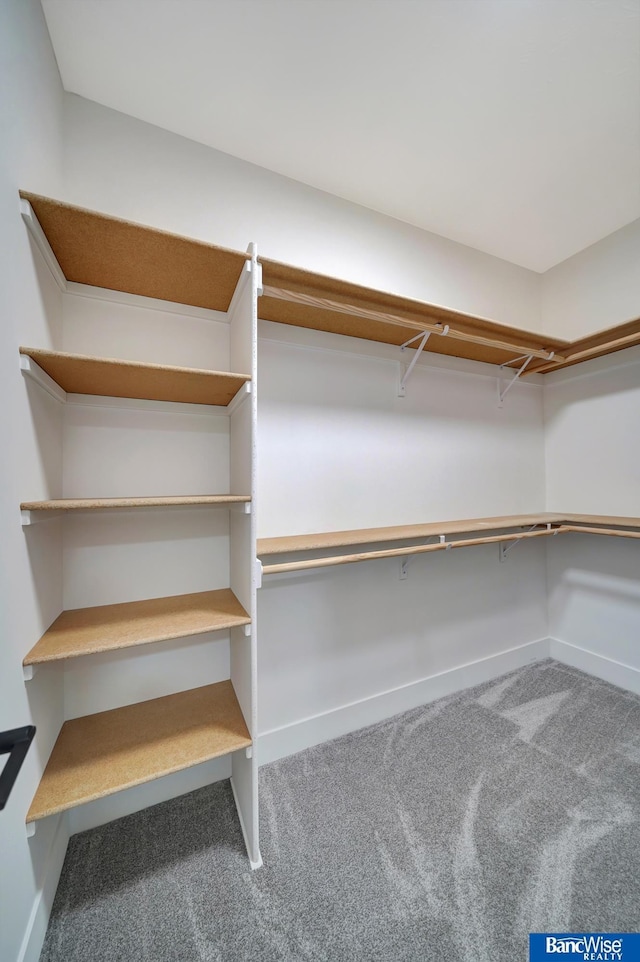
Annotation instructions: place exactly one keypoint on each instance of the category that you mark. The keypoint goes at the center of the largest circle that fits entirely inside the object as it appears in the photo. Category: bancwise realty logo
(592, 947)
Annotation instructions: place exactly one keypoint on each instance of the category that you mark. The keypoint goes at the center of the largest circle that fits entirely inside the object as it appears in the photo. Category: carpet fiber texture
(449, 832)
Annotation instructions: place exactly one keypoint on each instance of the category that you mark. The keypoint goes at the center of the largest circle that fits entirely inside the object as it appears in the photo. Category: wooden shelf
(407, 532)
(103, 251)
(547, 525)
(91, 504)
(110, 377)
(87, 631)
(409, 316)
(101, 754)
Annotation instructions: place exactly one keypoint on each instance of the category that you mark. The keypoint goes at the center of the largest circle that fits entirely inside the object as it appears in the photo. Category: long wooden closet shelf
(87, 631)
(98, 755)
(110, 377)
(546, 524)
(306, 299)
(405, 532)
(90, 504)
(105, 251)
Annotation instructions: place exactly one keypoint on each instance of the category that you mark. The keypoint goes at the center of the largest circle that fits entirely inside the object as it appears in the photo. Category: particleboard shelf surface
(87, 631)
(409, 532)
(110, 377)
(91, 504)
(406, 532)
(97, 755)
(417, 314)
(105, 251)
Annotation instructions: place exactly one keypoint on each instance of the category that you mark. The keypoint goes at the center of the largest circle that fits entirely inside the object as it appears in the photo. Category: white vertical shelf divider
(243, 548)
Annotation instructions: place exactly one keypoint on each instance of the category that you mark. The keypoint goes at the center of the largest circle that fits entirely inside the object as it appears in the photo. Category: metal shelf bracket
(423, 338)
(526, 359)
(504, 548)
(407, 559)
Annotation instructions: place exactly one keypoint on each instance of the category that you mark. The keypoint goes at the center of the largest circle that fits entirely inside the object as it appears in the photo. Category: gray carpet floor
(449, 832)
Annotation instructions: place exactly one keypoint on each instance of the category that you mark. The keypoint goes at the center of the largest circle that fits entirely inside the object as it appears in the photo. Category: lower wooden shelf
(98, 755)
(87, 631)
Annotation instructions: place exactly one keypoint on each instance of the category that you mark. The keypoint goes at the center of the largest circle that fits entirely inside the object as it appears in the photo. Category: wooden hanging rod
(614, 532)
(597, 350)
(309, 300)
(440, 546)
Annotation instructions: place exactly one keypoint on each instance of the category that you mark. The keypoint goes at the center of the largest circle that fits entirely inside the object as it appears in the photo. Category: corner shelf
(110, 377)
(98, 755)
(87, 631)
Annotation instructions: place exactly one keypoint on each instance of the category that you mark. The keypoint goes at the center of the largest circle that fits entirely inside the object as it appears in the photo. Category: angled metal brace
(504, 549)
(407, 559)
(526, 358)
(423, 338)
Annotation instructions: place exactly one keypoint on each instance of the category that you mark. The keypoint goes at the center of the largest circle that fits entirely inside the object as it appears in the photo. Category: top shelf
(103, 251)
(306, 299)
(118, 255)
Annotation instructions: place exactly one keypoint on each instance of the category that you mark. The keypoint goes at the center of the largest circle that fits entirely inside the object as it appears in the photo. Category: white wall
(592, 421)
(337, 448)
(597, 288)
(122, 166)
(30, 436)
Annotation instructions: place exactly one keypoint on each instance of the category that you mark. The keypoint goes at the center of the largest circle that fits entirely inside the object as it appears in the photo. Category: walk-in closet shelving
(494, 531)
(97, 754)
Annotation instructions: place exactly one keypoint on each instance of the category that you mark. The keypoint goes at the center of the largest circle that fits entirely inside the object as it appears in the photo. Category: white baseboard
(615, 672)
(39, 918)
(279, 742)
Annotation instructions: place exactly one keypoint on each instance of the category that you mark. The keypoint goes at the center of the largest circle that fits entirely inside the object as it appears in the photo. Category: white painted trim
(33, 224)
(148, 303)
(243, 393)
(153, 407)
(39, 918)
(304, 338)
(33, 517)
(288, 739)
(253, 862)
(33, 370)
(243, 280)
(615, 672)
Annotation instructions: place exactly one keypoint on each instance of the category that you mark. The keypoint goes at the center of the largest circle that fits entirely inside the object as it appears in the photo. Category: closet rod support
(407, 559)
(526, 358)
(424, 337)
(504, 549)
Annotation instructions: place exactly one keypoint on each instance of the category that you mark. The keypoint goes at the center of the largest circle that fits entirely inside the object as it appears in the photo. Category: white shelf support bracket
(504, 548)
(526, 359)
(249, 751)
(31, 829)
(36, 231)
(423, 338)
(28, 671)
(247, 631)
(33, 371)
(33, 517)
(258, 573)
(241, 395)
(406, 561)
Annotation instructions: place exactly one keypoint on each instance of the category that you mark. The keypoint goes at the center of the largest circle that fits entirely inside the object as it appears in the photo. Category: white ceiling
(512, 126)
